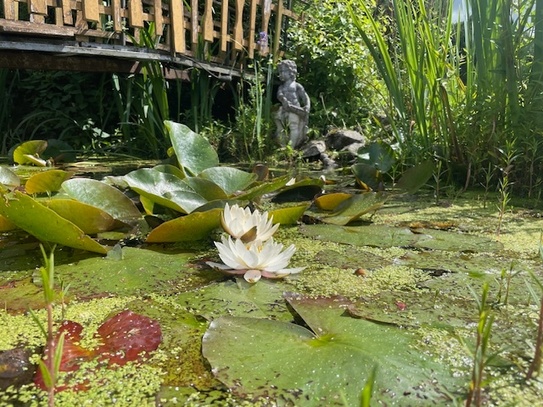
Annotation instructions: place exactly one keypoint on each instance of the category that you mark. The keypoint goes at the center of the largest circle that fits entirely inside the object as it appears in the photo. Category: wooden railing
(226, 32)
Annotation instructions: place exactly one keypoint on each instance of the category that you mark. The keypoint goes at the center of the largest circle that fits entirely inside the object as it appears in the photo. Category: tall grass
(460, 88)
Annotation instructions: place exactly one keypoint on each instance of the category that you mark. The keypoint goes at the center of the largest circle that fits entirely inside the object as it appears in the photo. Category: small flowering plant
(250, 249)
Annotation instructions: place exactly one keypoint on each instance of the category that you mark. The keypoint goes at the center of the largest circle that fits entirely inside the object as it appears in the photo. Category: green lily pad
(353, 208)
(325, 366)
(262, 188)
(9, 178)
(89, 218)
(103, 196)
(193, 151)
(46, 182)
(231, 180)
(44, 223)
(389, 236)
(416, 177)
(170, 169)
(207, 189)
(165, 189)
(6, 225)
(197, 225)
(29, 151)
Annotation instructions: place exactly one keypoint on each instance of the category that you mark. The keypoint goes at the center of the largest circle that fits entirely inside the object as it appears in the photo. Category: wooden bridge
(115, 35)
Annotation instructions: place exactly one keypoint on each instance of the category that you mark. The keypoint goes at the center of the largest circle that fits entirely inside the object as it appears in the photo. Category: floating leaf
(9, 178)
(103, 196)
(329, 202)
(59, 151)
(195, 226)
(326, 366)
(6, 225)
(353, 208)
(29, 152)
(367, 176)
(165, 189)
(46, 182)
(380, 156)
(289, 215)
(416, 177)
(262, 188)
(231, 180)
(193, 151)
(44, 223)
(89, 218)
(170, 169)
(207, 189)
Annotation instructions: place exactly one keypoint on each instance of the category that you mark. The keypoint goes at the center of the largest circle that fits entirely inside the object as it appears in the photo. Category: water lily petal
(277, 260)
(252, 276)
(238, 222)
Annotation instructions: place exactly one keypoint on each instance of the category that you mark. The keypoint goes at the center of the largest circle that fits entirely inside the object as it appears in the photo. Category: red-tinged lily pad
(46, 182)
(126, 337)
(103, 196)
(44, 223)
(327, 364)
(197, 225)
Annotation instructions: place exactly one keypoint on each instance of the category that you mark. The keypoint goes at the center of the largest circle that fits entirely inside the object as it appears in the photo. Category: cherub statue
(292, 117)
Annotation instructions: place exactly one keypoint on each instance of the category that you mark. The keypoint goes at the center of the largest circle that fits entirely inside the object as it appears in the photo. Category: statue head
(287, 69)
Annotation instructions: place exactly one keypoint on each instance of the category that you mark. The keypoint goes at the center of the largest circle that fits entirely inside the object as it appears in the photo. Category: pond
(399, 296)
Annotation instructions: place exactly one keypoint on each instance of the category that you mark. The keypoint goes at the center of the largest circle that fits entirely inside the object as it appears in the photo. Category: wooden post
(238, 26)
(9, 9)
(278, 25)
(207, 21)
(252, 24)
(67, 12)
(177, 26)
(159, 19)
(135, 13)
(116, 15)
(90, 10)
(224, 26)
(38, 10)
(194, 26)
(266, 13)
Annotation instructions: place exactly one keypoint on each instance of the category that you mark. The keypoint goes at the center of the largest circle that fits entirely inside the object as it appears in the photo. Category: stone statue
(292, 117)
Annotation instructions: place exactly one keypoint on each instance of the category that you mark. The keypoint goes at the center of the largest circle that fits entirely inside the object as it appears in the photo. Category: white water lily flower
(248, 226)
(256, 260)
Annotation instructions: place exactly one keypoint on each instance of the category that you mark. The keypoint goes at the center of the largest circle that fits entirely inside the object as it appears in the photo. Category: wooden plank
(159, 19)
(38, 10)
(194, 25)
(67, 15)
(207, 21)
(278, 26)
(90, 10)
(177, 26)
(238, 25)
(224, 26)
(252, 24)
(135, 13)
(9, 9)
(116, 15)
(264, 48)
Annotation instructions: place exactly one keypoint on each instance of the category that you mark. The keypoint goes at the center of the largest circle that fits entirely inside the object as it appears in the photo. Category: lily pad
(389, 236)
(89, 218)
(197, 225)
(353, 208)
(103, 196)
(289, 215)
(414, 178)
(326, 365)
(29, 152)
(46, 182)
(44, 223)
(6, 225)
(231, 180)
(9, 178)
(193, 151)
(329, 202)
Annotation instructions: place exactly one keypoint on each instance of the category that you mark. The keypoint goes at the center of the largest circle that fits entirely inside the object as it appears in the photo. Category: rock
(338, 139)
(15, 368)
(313, 149)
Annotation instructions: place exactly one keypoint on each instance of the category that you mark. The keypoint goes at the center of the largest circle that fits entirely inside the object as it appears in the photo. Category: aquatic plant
(242, 223)
(254, 260)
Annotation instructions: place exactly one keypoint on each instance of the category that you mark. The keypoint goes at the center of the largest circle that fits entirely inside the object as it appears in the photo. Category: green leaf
(366, 175)
(231, 180)
(25, 151)
(44, 223)
(209, 190)
(353, 208)
(46, 182)
(9, 178)
(325, 366)
(416, 177)
(264, 188)
(165, 189)
(289, 215)
(89, 218)
(196, 226)
(103, 196)
(193, 151)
